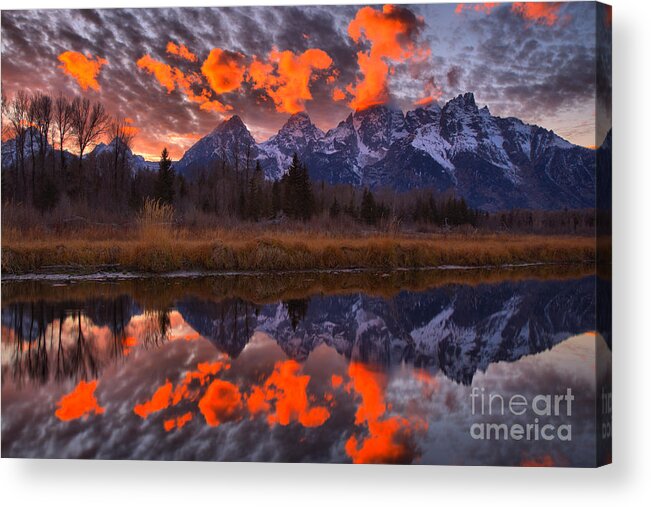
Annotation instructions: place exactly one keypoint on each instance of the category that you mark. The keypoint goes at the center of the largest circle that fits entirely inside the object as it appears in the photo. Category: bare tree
(42, 120)
(17, 116)
(89, 123)
(31, 122)
(6, 124)
(62, 124)
(122, 139)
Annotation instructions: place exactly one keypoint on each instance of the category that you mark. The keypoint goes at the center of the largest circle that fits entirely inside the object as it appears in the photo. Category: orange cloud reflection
(159, 401)
(222, 402)
(289, 390)
(543, 461)
(178, 422)
(81, 402)
(389, 439)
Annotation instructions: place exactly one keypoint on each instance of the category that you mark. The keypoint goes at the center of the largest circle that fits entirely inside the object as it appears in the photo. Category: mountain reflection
(458, 329)
(349, 376)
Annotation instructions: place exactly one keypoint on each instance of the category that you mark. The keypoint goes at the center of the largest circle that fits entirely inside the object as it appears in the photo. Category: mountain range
(493, 162)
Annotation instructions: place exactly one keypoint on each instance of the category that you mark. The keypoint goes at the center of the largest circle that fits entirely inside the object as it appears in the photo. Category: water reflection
(104, 370)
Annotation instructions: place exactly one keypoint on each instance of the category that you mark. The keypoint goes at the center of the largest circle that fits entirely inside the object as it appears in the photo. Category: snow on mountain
(31, 146)
(230, 141)
(493, 162)
(298, 135)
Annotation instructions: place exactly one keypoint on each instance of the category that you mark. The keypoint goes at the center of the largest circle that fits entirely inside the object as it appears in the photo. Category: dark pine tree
(255, 200)
(165, 181)
(298, 199)
(305, 194)
(369, 210)
(276, 198)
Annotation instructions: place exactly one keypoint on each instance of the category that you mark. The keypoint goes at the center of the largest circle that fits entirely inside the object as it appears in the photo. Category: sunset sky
(176, 73)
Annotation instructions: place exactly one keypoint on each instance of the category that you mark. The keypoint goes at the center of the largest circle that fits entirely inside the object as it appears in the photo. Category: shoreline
(288, 252)
(161, 290)
(108, 276)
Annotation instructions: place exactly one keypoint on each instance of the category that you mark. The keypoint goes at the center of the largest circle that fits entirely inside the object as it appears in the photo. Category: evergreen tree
(298, 199)
(305, 195)
(255, 200)
(165, 181)
(369, 211)
(276, 198)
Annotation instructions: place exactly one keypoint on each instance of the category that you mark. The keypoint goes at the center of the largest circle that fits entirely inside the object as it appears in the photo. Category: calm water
(301, 369)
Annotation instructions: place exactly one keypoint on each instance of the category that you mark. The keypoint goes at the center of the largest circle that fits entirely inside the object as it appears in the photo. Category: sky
(175, 73)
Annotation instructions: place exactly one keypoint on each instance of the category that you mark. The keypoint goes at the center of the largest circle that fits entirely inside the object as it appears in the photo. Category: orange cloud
(485, 7)
(433, 92)
(84, 69)
(130, 129)
(389, 439)
(286, 77)
(81, 402)
(172, 78)
(392, 34)
(181, 51)
(177, 144)
(221, 403)
(224, 70)
(545, 13)
(338, 94)
(163, 73)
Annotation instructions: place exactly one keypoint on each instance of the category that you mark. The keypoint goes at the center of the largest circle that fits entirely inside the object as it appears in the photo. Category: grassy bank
(160, 250)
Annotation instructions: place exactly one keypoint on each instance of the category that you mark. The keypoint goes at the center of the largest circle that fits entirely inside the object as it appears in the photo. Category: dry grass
(156, 247)
(155, 222)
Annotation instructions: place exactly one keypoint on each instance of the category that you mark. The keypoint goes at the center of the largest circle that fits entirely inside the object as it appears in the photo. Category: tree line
(53, 166)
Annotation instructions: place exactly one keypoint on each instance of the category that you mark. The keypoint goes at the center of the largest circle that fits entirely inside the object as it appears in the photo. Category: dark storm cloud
(532, 70)
(453, 76)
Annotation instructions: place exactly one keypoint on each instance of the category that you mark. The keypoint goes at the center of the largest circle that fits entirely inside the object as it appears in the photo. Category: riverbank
(230, 251)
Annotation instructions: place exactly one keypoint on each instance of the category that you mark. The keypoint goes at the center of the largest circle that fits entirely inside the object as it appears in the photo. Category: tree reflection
(296, 309)
(59, 343)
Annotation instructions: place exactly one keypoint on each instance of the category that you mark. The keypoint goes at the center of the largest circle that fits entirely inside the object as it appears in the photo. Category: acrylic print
(335, 234)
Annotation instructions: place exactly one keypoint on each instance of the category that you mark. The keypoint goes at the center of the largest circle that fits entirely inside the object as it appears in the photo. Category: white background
(626, 482)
